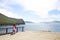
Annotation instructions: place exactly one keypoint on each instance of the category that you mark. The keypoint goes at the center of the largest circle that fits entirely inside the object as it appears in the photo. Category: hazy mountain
(28, 22)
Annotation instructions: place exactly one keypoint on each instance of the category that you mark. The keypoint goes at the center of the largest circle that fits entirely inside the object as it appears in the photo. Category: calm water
(55, 27)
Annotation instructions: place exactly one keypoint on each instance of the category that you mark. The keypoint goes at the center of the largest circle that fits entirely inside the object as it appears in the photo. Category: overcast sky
(31, 10)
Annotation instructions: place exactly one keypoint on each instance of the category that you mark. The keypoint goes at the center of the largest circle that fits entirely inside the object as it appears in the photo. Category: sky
(31, 10)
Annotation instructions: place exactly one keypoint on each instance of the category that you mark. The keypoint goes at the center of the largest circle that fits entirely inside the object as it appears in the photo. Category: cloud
(5, 9)
(58, 5)
(41, 7)
(54, 14)
(9, 14)
(3, 5)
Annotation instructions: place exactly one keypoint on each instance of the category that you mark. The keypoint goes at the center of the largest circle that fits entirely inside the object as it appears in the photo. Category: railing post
(17, 29)
(6, 30)
(22, 29)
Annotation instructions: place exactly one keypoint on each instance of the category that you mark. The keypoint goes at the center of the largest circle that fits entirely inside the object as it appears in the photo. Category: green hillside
(4, 20)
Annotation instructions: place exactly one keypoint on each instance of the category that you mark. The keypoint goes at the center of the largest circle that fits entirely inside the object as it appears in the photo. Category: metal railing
(6, 30)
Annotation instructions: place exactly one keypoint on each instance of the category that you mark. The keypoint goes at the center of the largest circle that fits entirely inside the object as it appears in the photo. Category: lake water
(55, 27)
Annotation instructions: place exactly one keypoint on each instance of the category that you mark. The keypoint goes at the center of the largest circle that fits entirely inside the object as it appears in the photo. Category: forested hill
(4, 20)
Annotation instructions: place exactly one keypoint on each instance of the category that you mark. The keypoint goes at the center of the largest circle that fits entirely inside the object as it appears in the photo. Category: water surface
(54, 27)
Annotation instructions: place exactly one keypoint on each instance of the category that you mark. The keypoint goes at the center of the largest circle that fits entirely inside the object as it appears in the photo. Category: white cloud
(41, 7)
(9, 14)
(3, 5)
(5, 8)
(54, 16)
(58, 5)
